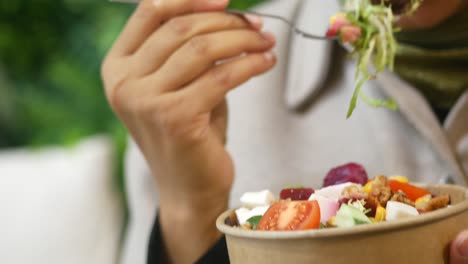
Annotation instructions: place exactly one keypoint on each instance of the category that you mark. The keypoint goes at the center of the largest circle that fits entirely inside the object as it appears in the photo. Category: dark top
(218, 253)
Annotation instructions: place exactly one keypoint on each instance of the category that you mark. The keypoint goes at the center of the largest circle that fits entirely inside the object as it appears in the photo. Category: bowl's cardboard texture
(422, 239)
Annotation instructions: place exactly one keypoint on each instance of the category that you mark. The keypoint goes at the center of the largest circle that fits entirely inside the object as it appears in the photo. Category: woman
(167, 78)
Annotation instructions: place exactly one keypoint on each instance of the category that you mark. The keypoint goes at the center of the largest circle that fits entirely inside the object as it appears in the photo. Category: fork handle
(277, 17)
(289, 23)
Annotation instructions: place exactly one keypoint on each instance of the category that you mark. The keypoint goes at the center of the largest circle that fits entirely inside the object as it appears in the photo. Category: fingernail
(269, 36)
(269, 56)
(462, 245)
(255, 21)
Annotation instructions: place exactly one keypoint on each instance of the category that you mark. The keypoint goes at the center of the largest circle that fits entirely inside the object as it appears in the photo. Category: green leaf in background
(244, 4)
(50, 54)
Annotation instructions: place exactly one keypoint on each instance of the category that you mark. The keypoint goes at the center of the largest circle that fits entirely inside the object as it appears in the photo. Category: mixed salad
(347, 198)
(368, 27)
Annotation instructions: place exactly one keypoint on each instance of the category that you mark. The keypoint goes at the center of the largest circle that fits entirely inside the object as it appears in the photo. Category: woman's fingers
(459, 249)
(211, 88)
(150, 14)
(174, 33)
(202, 52)
(183, 113)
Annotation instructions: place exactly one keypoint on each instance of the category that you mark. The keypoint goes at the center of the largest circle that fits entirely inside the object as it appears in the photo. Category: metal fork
(289, 23)
(296, 30)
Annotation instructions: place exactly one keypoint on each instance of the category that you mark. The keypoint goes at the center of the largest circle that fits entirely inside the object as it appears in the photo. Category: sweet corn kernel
(399, 178)
(368, 187)
(421, 202)
(331, 221)
(425, 198)
(380, 214)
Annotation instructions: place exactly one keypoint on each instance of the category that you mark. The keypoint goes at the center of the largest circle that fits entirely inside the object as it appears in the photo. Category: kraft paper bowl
(424, 239)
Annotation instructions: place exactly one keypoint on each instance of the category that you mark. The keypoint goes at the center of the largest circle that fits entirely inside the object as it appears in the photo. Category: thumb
(459, 249)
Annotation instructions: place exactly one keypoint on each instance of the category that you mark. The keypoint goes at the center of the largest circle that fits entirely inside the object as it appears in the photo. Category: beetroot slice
(351, 172)
(296, 194)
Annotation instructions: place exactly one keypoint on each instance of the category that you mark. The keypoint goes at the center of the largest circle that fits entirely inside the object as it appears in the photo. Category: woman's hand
(166, 78)
(431, 13)
(459, 249)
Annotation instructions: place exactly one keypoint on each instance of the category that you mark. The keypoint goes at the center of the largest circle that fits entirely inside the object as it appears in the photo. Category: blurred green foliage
(50, 55)
(244, 4)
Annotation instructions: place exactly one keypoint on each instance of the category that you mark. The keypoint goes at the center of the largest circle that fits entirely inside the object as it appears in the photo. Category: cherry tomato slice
(411, 191)
(291, 215)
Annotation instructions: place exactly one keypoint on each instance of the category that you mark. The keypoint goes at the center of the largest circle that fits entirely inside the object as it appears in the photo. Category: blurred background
(50, 56)
(56, 128)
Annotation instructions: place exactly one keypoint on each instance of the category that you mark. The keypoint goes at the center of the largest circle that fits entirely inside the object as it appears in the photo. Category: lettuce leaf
(375, 49)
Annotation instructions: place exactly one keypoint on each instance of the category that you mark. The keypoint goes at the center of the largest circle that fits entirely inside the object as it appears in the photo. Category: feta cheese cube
(243, 214)
(254, 199)
(397, 210)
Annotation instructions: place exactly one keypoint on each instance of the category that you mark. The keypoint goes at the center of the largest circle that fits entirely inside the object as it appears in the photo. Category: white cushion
(60, 205)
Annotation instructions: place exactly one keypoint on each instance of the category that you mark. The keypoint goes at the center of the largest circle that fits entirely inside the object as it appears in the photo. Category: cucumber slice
(348, 216)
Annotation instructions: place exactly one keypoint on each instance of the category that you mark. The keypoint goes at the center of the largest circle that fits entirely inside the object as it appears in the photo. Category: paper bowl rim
(369, 229)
